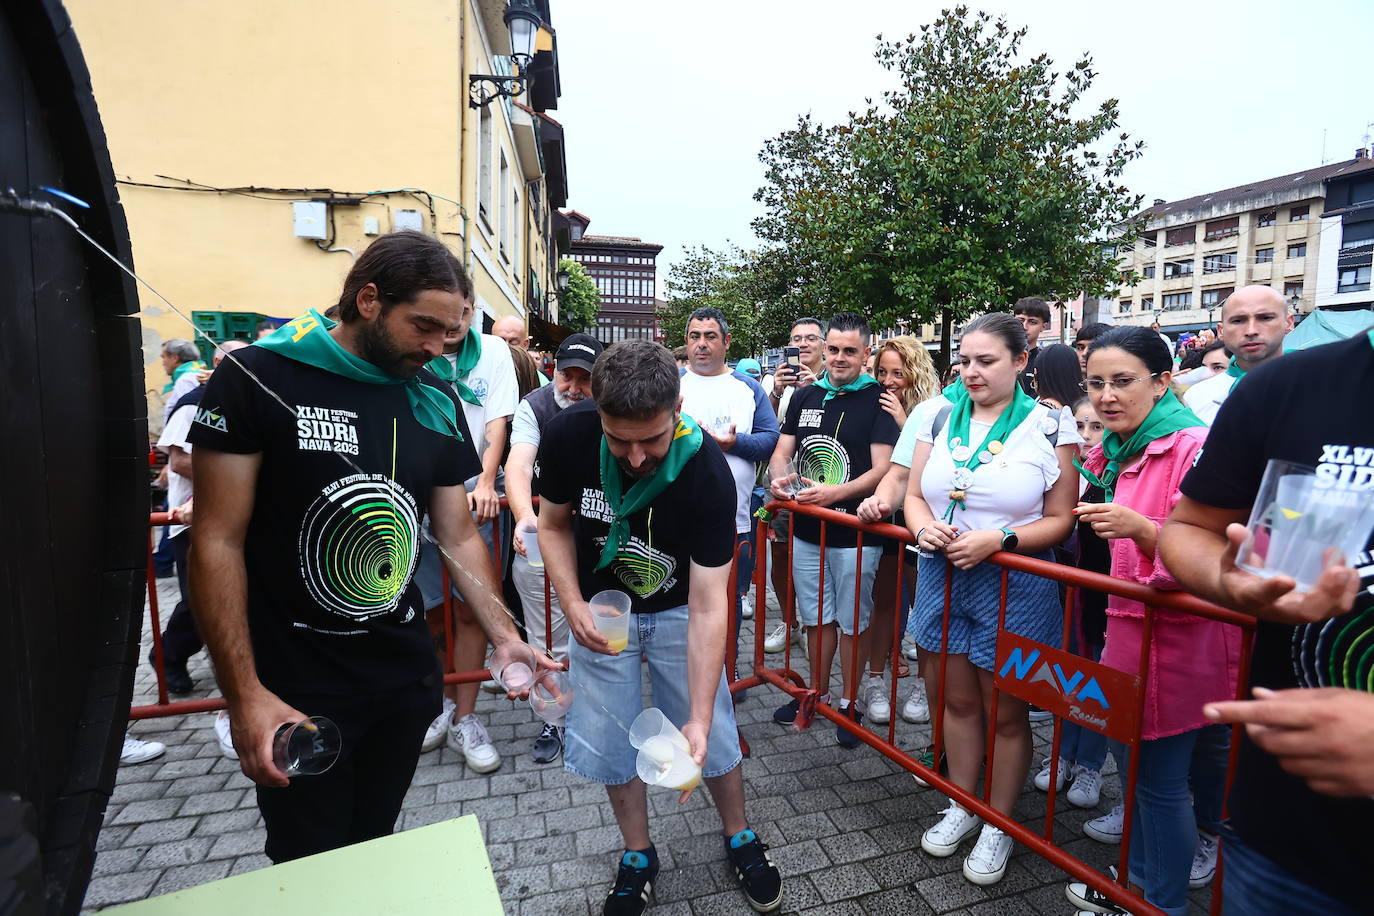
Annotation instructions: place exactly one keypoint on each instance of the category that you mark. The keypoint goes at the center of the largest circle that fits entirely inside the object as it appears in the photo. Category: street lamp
(523, 21)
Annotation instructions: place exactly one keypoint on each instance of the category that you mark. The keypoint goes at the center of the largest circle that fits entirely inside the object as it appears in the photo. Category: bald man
(512, 330)
(1254, 322)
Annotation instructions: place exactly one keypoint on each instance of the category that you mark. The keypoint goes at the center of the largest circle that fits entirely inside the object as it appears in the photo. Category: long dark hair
(1058, 374)
(1142, 343)
(402, 265)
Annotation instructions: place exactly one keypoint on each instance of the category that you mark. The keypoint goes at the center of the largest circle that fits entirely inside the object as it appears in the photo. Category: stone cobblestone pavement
(844, 826)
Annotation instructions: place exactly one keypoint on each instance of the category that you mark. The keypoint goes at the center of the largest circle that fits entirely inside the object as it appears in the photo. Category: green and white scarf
(1167, 417)
(831, 389)
(467, 356)
(687, 439)
(960, 420)
(194, 365)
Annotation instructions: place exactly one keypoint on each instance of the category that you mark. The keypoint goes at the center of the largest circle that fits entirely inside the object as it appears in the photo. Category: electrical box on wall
(310, 219)
(407, 219)
(372, 226)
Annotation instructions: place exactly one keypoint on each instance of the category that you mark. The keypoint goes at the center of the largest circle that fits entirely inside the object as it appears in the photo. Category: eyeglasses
(805, 338)
(1118, 384)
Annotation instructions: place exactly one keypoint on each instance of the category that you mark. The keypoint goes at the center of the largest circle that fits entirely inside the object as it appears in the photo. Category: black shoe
(179, 683)
(846, 739)
(787, 714)
(634, 882)
(548, 745)
(927, 758)
(758, 877)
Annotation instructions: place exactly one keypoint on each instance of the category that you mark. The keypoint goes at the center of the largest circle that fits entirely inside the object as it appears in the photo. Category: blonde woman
(907, 376)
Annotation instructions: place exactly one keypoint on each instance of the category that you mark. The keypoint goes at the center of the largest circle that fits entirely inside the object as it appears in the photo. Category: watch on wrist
(1009, 539)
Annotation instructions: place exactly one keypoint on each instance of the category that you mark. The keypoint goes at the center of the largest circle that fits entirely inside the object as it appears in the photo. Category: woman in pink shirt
(1150, 443)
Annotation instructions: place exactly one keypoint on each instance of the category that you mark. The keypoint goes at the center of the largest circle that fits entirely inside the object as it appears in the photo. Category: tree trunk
(946, 335)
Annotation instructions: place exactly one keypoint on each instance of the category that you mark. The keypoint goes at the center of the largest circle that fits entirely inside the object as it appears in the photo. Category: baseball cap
(577, 351)
(749, 367)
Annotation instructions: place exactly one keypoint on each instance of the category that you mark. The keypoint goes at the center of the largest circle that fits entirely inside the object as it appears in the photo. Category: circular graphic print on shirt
(642, 569)
(358, 546)
(824, 460)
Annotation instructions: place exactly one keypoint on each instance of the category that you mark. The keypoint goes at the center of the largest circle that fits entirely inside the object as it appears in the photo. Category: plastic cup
(611, 616)
(795, 481)
(529, 533)
(513, 665)
(306, 748)
(665, 757)
(551, 696)
(1298, 519)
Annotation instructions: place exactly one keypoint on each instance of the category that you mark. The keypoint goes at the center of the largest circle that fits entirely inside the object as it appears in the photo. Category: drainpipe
(464, 111)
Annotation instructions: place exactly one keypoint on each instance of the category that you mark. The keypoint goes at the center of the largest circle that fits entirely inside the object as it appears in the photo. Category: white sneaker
(909, 648)
(490, 686)
(987, 863)
(777, 640)
(1091, 902)
(956, 826)
(469, 736)
(438, 729)
(916, 708)
(1204, 861)
(746, 609)
(1086, 790)
(875, 702)
(136, 751)
(1042, 779)
(224, 734)
(1107, 828)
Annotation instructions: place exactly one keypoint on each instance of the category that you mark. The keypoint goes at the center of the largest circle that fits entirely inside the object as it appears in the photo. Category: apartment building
(1343, 272)
(625, 271)
(1195, 252)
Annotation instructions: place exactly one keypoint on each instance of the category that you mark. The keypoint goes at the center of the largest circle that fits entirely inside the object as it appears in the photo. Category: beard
(647, 469)
(377, 346)
(564, 400)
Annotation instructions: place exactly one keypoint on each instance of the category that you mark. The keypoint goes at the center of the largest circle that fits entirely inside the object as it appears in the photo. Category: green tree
(578, 306)
(740, 283)
(972, 184)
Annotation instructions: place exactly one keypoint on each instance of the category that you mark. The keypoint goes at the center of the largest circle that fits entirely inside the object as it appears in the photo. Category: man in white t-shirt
(479, 368)
(732, 408)
(572, 384)
(1254, 322)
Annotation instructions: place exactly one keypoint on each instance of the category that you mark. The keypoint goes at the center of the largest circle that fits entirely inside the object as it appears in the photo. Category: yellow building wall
(345, 96)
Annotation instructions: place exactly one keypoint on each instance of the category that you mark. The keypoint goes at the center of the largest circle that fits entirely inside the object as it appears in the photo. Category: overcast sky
(666, 105)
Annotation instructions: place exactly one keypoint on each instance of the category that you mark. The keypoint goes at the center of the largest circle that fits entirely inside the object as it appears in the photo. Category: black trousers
(360, 797)
(180, 638)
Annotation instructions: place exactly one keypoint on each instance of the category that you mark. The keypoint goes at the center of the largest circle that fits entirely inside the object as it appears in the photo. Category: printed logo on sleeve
(326, 429)
(207, 417)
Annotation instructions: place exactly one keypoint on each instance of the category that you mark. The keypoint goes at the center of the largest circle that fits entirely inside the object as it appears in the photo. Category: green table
(440, 869)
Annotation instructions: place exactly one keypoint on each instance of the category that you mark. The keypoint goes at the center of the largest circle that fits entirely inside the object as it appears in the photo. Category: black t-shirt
(1312, 407)
(691, 521)
(1028, 374)
(332, 546)
(833, 440)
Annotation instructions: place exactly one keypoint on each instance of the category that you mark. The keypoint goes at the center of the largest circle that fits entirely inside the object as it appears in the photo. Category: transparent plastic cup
(552, 696)
(1300, 524)
(306, 748)
(513, 665)
(529, 533)
(795, 481)
(611, 616)
(665, 757)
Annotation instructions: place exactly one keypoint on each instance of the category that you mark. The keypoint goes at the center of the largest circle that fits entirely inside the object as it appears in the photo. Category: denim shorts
(839, 583)
(610, 695)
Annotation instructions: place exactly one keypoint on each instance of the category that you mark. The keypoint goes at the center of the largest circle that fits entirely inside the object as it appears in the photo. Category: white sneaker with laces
(955, 827)
(909, 648)
(916, 709)
(1091, 902)
(224, 734)
(438, 729)
(875, 702)
(1042, 779)
(987, 863)
(136, 751)
(469, 737)
(746, 610)
(1086, 790)
(1204, 861)
(1107, 828)
(777, 640)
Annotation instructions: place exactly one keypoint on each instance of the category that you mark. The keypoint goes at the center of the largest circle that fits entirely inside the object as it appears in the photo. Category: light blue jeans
(840, 563)
(609, 696)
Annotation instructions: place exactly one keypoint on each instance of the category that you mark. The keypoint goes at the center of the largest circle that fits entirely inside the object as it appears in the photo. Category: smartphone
(792, 356)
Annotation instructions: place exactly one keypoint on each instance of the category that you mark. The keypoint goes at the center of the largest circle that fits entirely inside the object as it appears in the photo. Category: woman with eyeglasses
(1057, 377)
(991, 471)
(1150, 442)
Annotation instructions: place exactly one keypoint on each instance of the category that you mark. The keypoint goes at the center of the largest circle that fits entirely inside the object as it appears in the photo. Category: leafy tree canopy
(578, 306)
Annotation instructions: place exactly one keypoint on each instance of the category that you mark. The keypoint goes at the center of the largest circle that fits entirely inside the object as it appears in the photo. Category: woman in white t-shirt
(992, 472)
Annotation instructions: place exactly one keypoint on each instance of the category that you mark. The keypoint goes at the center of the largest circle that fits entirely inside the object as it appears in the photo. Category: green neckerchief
(960, 420)
(687, 440)
(467, 356)
(307, 340)
(1167, 417)
(859, 384)
(194, 365)
(1236, 372)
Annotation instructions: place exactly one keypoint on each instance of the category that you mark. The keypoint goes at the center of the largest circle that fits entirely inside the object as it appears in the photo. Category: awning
(545, 335)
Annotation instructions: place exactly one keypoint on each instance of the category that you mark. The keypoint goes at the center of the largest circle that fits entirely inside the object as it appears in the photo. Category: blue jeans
(1164, 831)
(1253, 885)
(608, 699)
(1208, 775)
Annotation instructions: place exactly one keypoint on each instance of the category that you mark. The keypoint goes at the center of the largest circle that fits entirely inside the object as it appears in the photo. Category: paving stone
(855, 793)
(417, 796)
(771, 808)
(899, 869)
(838, 908)
(900, 902)
(211, 802)
(126, 792)
(117, 861)
(570, 820)
(195, 785)
(856, 817)
(108, 889)
(821, 799)
(537, 802)
(249, 863)
(588, 871)
(822, 776)
(842, 881)
(155, 832)
(806, 827)
(195, 766)
(423, 817)
(697, 850)
(799, 858)
(562, 903)
(181, 852)
(228, 821)
(851, 846)
(112, 837)
(461, 790)
(683, 883)
(514, 783)
(518, 883)
(239, 843)
(593, 841)
(184, 876)
(156, 809)
(951, 892)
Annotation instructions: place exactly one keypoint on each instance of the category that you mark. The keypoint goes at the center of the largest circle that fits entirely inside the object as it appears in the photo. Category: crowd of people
(644, 470)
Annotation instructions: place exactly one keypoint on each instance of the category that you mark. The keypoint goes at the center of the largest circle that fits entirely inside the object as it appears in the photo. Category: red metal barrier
(1023, 668)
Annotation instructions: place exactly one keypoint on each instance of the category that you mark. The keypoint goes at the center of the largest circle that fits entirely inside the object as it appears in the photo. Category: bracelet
(920, 531)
